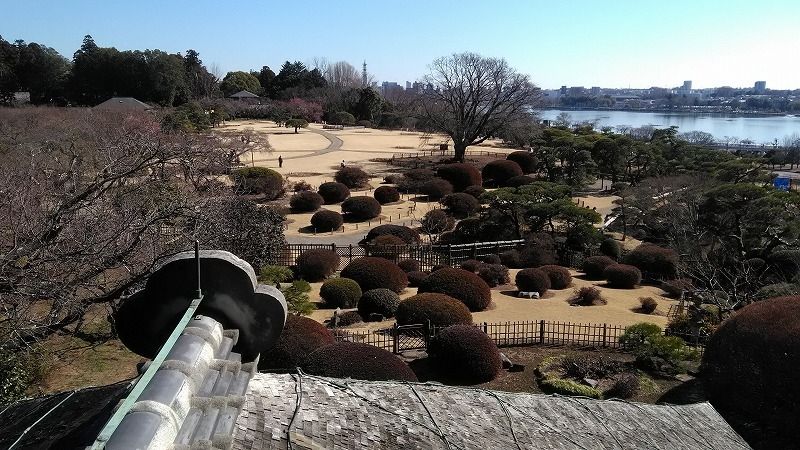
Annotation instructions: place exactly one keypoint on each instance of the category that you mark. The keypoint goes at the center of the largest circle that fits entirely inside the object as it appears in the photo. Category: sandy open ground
(506, 307)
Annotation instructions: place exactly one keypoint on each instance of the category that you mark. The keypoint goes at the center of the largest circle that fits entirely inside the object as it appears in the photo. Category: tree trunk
(295, 130)
(460, 151)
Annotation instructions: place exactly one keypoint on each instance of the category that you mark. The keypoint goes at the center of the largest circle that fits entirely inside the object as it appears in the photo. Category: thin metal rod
(133, 397)
(199, 293)
(40, 419)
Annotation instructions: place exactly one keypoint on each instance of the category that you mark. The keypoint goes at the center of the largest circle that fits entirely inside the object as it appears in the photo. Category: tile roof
(243, 94)
(353, 414)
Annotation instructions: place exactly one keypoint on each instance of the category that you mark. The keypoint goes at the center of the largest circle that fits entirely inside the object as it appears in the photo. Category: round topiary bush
(361, 208)
(494, 274)
(324, 220)
(537, 256)
(655, 261)
(500, 170)
(333, 192)
(340, 293)
(305, 201)
(300, 336)
(412, 180)
(511, 258)
(406, 234)
(460, 175)
(520, 180)
(386, 194)
(526, 161)
(750, 366)
(442, 310)
(409, 265)
(587, 296)
(622, 276)
(475, 191)
(465, 353)
(386, 246)
(492, 259)
(352, 177)
(674, 288)
(461, 285)
(436, 221)
(374, 273)
(317, 264)
(471, 265)
(416, 277)
(358, 361)
(594, 267)
(560, 278)
(460, 205)
(611, 248)
(258, 180)
(344, 319)
(532, 280)
(436, 188)
(378, 301)
(439, 267)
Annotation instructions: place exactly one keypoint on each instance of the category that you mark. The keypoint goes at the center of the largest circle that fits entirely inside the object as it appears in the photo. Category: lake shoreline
(676, 112)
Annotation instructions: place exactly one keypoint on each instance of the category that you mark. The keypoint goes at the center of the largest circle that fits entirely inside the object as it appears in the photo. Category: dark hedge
(658, 262)
(300, 337)
(352, 177)
(386, 194)
(520, 180)
(471, 265)
(408, 235)
(611, 248)
(378, 301)
(258, 180)
(333, 192)
(500, 170)
(526, 160)
(475, 191)
(511, 258)
(532, 280)
(340, 293)
(409, 265)
(622, 276)
(492, 259)
(466, 353)
(459, 284)
(594, 267)
(560, 278)
(324, 220)
(374, 273)
(460, 175)
(317, 264)
(440, 309)
(537, 256)
(436, 188)
(305, 201)
(416, 277)
(361, 208)
(460, 205)
(436, 221)
(358, 361)
(494, 274)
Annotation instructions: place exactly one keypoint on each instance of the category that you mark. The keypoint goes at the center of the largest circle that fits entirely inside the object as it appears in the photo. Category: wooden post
(350, 254)
(395, 343)
(485, 328)
(604, 334)
(541, 331)
(449, 254)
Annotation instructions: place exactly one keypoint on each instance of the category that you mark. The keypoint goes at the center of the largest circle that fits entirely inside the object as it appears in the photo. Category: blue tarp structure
(782, 184)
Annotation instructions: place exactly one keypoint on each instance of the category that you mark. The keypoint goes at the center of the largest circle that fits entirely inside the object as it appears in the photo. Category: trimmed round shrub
(436, 188)
(386, 194)
(471, 265)
(361, 208)
(409, 265)
(674, 288)
(492, 259)
(258, 180)
(378, 301)
(526, 161)
(777, 290)
(358, 361)
(622, 276)
(333, 192)
(346, 318)
(611, 248)
(475, 191)
(587, 296)
(406, 234)
(786, 263)
(305, 201)
(352, 177)
(500, 170)
(532, 280)
(537, 256)
(392, 178)
(317, 264)
(594, 267)
(460, 205)
(416, 277)
(511, 258)
(375, 273)
(436, 221)
(655, 261)
(325, 220)
(648, 305)
(300, 186)
(442, 310)
(466, 353)
(625, 386)
(413, 179)
(460, 175)
(494, 274)
(520, 180)
(461, 285)
(340, 292)
(560, 278)
(439, 267)
(386, 246)
(300, 336)
(750, 365)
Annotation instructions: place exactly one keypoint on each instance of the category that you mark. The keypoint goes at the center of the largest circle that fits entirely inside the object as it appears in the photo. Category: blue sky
(609, 43)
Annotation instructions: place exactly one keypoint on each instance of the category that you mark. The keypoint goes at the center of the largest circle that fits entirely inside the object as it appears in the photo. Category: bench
(531, 295)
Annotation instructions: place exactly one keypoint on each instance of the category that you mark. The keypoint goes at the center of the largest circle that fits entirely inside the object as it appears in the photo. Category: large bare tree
(474, 98)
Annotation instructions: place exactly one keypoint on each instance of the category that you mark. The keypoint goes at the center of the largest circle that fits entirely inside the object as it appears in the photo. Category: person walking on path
(280, 161)
(342, 165)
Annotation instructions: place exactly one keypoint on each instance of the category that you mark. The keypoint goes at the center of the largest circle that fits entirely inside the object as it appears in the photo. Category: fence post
(604, 335)
(428, 332)
(541, 331)
(449, 254)
(350, 254)
(485, 328)
(396, 339)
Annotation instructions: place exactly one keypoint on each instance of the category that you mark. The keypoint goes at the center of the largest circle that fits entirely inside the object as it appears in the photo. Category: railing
(432, 153)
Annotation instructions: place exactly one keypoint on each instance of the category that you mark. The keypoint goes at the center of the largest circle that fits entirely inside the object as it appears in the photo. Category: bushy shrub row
(560, 278)
(407, 235)
(317, 264)
(441, 310)
(594, 267)
(436, 188)
(357, 360)
(416, 277)
(258, 180)
(460, 284)
(409, 265)
(375, 273)
(500, 170)
(460, 175)
(475, 191)
(526, 161)
(494, 274)
(460, 205)
(656, 261)
(300, 337)
(520, 180)
(622, 276)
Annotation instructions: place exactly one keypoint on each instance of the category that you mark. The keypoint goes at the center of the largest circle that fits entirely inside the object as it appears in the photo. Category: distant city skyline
(611, 44)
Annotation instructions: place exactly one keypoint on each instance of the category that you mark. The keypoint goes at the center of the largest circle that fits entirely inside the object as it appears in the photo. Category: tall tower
(364, 74)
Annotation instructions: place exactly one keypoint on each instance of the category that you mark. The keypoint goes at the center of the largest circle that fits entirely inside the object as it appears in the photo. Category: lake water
(760, 130)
